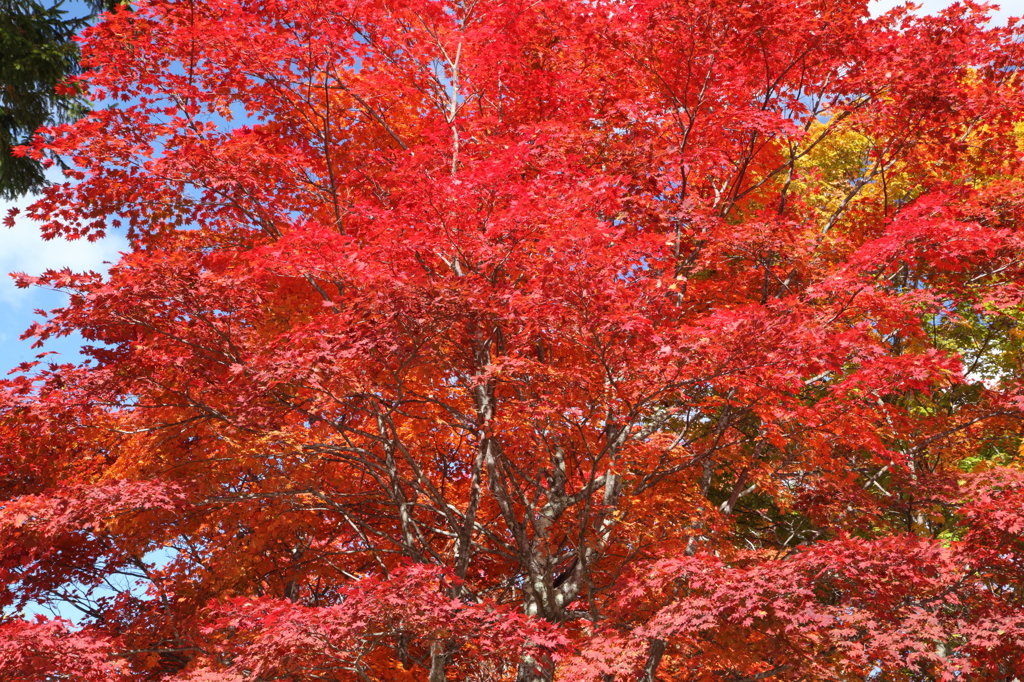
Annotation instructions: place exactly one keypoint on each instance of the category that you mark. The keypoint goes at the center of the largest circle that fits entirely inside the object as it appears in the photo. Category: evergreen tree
(38, 54)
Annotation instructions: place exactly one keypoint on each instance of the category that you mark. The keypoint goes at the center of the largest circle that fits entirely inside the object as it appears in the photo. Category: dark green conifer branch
(37, 54)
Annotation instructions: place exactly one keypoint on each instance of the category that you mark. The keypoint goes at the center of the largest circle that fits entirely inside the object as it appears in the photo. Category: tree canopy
(543, 341)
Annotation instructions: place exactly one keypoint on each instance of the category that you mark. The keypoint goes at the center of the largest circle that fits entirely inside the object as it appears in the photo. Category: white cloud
(1007, 8)
(23, 250)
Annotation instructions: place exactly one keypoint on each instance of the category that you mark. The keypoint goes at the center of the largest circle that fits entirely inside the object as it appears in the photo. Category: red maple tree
(669, 340)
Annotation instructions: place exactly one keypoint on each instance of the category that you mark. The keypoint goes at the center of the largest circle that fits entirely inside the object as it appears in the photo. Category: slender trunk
(438, 662)
(654, 654)
(534, 670)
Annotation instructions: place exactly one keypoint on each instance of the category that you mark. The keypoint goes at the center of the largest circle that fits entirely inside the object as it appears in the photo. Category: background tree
(536, 341)
(38, 57)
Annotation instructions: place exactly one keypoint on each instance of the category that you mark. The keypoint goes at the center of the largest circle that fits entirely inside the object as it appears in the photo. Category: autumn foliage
(671, 340)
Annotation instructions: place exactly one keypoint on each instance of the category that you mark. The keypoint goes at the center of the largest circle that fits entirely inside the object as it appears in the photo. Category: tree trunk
(533, 670)
(654, 654)
(438, 662)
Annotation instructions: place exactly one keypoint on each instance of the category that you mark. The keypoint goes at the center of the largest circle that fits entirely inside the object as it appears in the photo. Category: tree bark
(438, 662)
(654, 654)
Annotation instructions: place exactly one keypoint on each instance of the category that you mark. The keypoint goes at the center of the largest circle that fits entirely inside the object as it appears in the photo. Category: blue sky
(22, 250)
